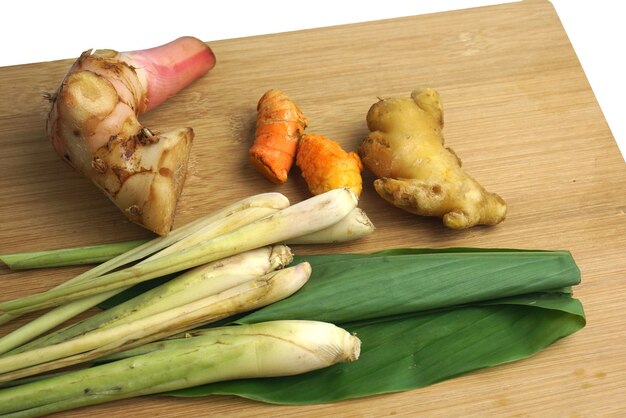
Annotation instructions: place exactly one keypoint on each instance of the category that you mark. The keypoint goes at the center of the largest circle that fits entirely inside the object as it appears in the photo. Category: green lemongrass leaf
(416, 351)
(308, 216)
(67, 256)
(359, 287)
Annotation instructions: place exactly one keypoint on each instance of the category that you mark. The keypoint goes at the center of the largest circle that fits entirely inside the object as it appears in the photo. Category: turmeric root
(326, 166)
(93, 125)
(279, 126)
(416, 172)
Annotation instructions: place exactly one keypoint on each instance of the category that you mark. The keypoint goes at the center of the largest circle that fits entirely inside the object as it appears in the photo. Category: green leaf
(422, 316)
(359, 287)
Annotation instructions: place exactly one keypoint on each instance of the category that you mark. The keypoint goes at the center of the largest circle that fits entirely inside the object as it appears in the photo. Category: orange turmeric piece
(326, 166)
(279, 126)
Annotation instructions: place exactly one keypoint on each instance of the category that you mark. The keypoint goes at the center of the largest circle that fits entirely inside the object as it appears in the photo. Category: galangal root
(417, 173)
(93, 125)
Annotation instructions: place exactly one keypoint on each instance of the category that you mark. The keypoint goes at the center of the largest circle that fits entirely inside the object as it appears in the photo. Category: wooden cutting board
(519, 111)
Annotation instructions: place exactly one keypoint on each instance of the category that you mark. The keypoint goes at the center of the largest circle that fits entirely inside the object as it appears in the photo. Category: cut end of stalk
(354, 349)
(5, 317)
(280, 257)
(8, 260)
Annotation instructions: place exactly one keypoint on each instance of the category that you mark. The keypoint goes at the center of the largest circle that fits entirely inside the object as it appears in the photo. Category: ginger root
(326, 166)
(417, 173)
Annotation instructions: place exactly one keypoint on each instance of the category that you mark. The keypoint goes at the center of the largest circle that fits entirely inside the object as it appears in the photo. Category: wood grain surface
(519, 112)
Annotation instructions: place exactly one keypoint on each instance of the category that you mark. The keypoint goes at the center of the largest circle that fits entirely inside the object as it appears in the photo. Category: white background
(34, 31)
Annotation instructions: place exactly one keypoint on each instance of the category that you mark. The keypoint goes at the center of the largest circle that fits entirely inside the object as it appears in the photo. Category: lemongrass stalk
(244, 297)
(146, 248)
(203, 281)
(91, 254)
(354, 226)
(313, 214)
(215, 334)
(268, 200)
(270, 349)
(197, 283)
(220, 222)
(264, 200)
(248, 296)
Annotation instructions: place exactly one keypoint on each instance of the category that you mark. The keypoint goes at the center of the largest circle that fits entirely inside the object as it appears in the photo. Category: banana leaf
(423, 316)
